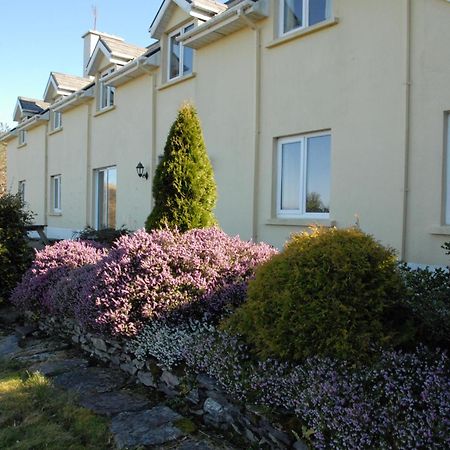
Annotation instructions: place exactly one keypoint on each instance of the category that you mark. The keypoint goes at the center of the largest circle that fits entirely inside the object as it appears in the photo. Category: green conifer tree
(184, 188)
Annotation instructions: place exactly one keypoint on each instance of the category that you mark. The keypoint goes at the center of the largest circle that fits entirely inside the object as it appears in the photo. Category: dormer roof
(28, 107)
(61, 84)
(201, 9)
(114, 50)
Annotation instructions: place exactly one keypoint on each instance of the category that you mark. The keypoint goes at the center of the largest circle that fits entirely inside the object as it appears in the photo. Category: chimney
(90, 41)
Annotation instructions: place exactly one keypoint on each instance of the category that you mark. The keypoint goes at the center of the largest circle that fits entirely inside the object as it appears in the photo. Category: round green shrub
(331, 292)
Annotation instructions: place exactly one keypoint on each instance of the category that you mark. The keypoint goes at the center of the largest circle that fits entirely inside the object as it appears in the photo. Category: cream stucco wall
(27, 163)
(67, 156)
(430, 100)
(250, 88)
(349, 79)
(122, 137)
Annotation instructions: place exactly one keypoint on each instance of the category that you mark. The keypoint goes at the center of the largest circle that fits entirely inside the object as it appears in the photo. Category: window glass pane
(112, 92)
(293, 14)
(103, 96)
(318, 174)
(55, 193)
(101, 222)
(174, 57)
(112, 187)
(318, 10)
(188, 55)
(290, 176)
(447, 206)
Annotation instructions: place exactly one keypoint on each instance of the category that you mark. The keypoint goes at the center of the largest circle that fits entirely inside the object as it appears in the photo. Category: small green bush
(330, 292)
(15, 254)
(105, 236)
(184, 188)
(427, 296)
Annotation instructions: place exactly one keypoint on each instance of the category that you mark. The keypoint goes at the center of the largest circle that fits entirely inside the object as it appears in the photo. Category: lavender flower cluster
(167, 275)
(145, 276)
(401, 402)
(53, 265)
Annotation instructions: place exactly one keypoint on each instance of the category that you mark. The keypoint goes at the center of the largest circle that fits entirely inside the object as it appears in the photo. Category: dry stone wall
(202, 393)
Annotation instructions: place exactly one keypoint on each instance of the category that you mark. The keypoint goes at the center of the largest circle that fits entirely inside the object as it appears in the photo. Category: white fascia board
(50, 84)
(34, 121)
(225, 23)
(17, 115)
(9, 135)
(155, 28)
(99, 47)
(77, 98)
(134, 69)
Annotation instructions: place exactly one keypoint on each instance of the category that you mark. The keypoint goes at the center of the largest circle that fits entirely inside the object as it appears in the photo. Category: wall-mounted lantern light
(140, 171)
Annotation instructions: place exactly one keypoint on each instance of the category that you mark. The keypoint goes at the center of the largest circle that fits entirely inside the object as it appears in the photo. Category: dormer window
(56, 120)
(22, 137)
(106, 93)
(180, 58)
(297, 14)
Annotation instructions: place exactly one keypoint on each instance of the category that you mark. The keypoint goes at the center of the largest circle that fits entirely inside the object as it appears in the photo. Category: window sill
(22, 145)
(302, 32)
(441, 230)
(178, 80)
(104, 110)
(305, 222)
(56, 130)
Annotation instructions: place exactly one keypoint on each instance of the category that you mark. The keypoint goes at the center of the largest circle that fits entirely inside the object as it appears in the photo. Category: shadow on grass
(35, 415)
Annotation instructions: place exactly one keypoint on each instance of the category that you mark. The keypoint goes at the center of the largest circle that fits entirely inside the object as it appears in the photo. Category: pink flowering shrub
(36, 292)
(166, 274)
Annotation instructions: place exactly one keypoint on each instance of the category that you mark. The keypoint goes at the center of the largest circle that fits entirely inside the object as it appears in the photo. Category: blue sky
(40, 36)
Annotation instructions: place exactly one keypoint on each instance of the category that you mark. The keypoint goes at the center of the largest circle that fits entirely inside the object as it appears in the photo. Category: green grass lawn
(35, 415)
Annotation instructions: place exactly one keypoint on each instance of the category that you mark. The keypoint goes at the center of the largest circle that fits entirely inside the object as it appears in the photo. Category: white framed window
(303, 176)
(21, 190)
(297, 14)
(56, 120)
(55, 185)
(105, 181)
(180, 58)
(22, 137)
(105, 93)
(447, 172)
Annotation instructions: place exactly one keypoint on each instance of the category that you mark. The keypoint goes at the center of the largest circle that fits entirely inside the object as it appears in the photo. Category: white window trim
(109, 90)
(56, 120)
(96, 199)
(179, 31)
(22, 137)
(305, 18)
(56, 197)
(21, 189)
(301, 212)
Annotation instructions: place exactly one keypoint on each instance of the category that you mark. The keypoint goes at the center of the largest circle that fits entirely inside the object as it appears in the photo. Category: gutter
(73, 99)
(239, 11)
(407, 150)
(144, 63)
(33, 121)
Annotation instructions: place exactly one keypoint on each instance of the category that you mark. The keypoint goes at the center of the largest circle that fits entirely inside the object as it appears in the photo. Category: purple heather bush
(168, 275)
(402, 401)
(54, 263)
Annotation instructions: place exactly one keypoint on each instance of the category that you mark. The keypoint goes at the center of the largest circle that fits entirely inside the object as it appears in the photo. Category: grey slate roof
(122, 49)
(32, 105)
(70, 82)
